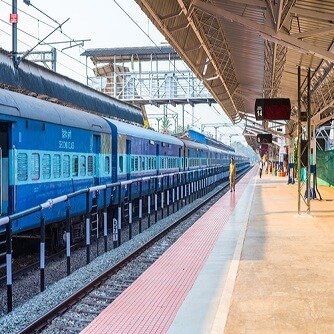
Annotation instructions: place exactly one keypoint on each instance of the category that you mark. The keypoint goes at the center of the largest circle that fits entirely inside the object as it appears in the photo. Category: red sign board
(13, 18)
(264, 147)
(272, 109)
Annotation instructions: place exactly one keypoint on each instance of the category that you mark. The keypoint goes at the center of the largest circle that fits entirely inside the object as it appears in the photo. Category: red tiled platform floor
(150, 304)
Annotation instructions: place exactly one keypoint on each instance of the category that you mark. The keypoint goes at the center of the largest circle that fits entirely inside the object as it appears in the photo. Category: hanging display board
(265, 138)
(272, 109)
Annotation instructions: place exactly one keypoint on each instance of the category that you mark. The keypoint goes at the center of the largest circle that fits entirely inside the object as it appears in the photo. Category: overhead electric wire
(32, 36)
(147, 35)
(49, 44)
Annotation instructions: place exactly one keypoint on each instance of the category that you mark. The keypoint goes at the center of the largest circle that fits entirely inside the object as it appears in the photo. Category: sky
(104, 24)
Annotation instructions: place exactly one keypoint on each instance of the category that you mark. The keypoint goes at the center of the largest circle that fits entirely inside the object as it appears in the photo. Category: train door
(128, 159)
(96, 151)
(4, 172)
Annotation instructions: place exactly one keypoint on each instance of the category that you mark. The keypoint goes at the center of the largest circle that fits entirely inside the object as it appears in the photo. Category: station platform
(250, 264)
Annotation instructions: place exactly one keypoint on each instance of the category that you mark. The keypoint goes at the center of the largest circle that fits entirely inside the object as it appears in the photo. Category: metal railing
(174, 191)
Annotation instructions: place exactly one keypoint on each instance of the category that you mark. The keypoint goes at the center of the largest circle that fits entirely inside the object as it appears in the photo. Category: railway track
(100, 292)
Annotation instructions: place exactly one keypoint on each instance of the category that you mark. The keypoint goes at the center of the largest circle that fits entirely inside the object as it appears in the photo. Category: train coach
(49, 150)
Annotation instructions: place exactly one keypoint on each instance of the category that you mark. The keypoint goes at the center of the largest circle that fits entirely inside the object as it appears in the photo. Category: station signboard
(272, 109)
(265, 138)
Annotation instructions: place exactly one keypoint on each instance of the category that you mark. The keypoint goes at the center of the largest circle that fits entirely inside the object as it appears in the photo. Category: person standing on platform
(232, 174)
(260, 168)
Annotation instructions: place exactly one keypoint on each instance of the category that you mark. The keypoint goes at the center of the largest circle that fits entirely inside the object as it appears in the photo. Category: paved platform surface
(285, 281)
(251, 264)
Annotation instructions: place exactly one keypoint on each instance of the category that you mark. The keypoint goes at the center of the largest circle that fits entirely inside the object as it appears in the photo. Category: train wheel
(57, 238)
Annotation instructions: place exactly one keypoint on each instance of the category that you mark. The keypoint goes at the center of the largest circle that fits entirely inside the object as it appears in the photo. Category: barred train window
(35, 169)
(132, 164)
(56, 166)
(107, 165)
(90, 169)
(82, 165)
(136, 164)
(46, 166)
(66, 166)
(75, 165)
(22, 167)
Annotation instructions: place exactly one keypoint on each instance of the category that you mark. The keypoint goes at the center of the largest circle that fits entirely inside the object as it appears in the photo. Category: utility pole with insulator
(13, 19)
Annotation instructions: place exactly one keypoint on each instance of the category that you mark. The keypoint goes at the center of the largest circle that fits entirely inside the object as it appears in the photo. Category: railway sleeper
(98, 304)
(85, 311)
(110, 299)
(68, 329)
(68, 317)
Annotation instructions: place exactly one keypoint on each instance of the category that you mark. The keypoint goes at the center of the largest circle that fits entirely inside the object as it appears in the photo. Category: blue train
(49, 150)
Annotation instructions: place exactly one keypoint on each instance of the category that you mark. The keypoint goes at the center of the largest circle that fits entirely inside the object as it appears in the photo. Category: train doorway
(96, 151)
(4, 165)
(128, 159)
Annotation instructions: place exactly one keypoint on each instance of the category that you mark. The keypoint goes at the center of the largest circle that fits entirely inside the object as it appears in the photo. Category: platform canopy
(249, 49)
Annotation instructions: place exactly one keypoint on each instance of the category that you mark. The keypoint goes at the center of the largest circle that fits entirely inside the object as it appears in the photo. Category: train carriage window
(136, 164)
(120, 164)
(35, 166)
(46, 166)
(22, 167)
(107, 165)
(66, 166)
(56, 166)
(141, 163)
(82, 165)
(75, 165)
(90, 163)
(132, 167)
